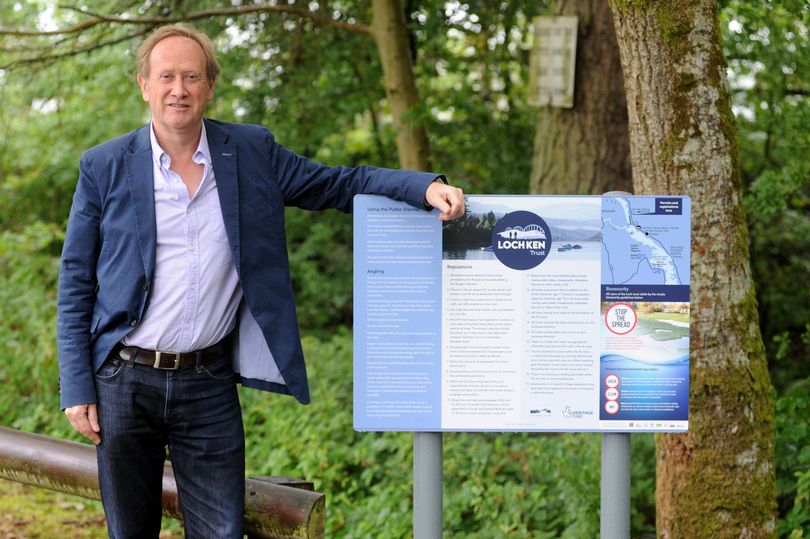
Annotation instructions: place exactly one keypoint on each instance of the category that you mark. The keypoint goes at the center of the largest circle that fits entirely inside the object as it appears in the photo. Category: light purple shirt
(195, 290)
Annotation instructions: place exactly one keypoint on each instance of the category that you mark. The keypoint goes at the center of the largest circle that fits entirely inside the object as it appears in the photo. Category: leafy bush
(320, 251)
(793, 459)
(28, 370)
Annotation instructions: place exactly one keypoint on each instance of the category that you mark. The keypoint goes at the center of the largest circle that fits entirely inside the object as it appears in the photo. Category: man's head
(177, 68)
(144, 51)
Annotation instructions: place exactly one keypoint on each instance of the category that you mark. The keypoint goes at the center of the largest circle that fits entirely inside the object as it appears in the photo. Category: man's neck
(179, 144)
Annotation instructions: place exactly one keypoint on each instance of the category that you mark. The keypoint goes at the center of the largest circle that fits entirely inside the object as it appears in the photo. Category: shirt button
(133, 323)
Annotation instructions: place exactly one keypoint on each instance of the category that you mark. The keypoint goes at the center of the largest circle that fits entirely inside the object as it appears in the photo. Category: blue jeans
(195, 412)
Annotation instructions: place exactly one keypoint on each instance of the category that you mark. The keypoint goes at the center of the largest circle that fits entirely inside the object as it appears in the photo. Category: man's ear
(142, 82)
(211, 88)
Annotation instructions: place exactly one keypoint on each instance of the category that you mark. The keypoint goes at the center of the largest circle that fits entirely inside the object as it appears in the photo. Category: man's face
(176, 88)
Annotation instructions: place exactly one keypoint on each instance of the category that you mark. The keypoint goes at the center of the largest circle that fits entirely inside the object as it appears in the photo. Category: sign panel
(553, 62)
(530, 313)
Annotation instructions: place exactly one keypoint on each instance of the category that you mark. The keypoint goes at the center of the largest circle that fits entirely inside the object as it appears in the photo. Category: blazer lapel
(223, 157)
(139, 173)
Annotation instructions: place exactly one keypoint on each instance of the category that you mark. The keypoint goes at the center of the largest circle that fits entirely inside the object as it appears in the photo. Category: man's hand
(84, 418)
(447, 199)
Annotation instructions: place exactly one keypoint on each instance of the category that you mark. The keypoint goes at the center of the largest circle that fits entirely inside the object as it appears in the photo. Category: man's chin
(180, 124)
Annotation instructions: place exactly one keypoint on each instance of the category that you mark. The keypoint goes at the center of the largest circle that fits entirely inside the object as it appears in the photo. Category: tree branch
(74, 52)
(96, 18)
(797, 91)
(69, 30)
(19, 47)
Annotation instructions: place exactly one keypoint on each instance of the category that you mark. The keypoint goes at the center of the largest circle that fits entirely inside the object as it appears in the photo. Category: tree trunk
(585, 150)
(717, 480)
(388, 29)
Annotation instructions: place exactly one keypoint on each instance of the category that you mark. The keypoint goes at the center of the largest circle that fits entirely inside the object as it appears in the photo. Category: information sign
(553, 61)
(530, 313)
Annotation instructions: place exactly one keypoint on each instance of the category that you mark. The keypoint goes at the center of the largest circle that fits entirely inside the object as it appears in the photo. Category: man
(175, 284)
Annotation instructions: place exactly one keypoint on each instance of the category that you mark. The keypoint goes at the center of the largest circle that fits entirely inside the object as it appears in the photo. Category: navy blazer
(108, 259)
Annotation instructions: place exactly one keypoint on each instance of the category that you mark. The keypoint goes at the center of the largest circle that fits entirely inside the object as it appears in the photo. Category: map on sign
(645, 241)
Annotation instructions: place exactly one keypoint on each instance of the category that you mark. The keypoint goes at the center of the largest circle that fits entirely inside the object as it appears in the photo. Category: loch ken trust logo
(521, 240)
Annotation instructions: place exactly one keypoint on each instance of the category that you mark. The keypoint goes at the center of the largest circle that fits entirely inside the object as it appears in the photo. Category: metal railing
(275, 507)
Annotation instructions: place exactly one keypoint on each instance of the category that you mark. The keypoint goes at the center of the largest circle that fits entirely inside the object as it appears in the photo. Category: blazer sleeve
(310, 185)
(77, 289)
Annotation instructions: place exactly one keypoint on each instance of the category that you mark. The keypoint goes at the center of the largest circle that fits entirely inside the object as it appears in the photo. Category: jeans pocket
(110, 370)
(219, 369)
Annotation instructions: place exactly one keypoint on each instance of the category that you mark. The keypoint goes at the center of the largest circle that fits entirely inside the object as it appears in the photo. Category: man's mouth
(178, 106)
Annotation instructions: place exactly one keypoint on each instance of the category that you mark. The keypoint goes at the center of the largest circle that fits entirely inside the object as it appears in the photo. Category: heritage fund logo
(521, 240)
(570, 413)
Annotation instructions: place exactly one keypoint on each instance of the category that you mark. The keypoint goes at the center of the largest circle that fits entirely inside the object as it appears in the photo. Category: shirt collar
(162, 159)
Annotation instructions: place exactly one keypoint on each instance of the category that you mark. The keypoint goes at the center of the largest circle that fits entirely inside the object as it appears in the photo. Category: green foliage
(320, 252)
(767, 44)
(27, 334)
(793, 456)
(472, 65)
(49, 116)
(521, 485)
(642, 485)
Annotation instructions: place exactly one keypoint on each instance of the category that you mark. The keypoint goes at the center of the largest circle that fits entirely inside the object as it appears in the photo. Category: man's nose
(178, 86)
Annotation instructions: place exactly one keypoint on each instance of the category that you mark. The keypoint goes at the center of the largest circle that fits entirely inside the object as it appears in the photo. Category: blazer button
(146, 286)
(133, 323)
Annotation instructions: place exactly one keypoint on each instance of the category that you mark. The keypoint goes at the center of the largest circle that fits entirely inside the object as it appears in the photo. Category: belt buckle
(159, 354)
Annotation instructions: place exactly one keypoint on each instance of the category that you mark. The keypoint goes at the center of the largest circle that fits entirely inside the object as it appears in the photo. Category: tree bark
(388, 29)
(585, 150)
(717, 480)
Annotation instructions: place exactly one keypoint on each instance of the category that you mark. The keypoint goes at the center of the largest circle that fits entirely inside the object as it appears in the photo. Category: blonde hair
(171, 30)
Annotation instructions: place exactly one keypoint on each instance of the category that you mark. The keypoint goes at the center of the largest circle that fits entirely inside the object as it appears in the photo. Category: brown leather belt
(169, 360)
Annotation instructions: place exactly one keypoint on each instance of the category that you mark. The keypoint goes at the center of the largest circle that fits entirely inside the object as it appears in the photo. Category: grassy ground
(28, 512)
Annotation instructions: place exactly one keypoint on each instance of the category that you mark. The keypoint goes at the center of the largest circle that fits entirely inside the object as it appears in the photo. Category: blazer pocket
(94, 322)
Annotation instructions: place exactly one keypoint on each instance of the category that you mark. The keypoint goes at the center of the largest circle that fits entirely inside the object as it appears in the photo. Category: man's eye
(166, 76)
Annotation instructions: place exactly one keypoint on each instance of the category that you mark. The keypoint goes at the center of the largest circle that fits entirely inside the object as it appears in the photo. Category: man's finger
(456, 204)
(79, 417)
(92, 420)
(441, 204)
(92, 416)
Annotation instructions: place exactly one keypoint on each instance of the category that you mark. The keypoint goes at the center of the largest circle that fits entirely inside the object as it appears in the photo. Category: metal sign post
(427, 485)
(614, 522)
